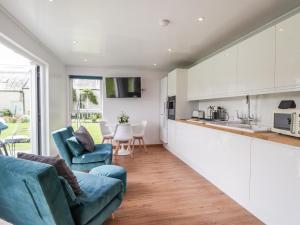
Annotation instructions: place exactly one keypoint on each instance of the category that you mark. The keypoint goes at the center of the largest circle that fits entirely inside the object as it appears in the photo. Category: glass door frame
(39, 118)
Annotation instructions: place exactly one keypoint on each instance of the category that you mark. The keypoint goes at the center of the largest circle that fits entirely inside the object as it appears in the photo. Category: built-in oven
(172, 107)
(287, 121)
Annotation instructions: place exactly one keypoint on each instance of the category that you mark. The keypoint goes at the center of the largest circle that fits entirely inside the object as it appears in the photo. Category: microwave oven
(287, 121)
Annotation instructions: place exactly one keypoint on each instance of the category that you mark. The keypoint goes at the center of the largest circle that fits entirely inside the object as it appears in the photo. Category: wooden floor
(162, 190)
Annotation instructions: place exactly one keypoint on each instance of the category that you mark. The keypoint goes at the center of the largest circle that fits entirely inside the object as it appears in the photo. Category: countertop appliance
(198, 114)
(172, 107)
(287, 121)
(218, 113)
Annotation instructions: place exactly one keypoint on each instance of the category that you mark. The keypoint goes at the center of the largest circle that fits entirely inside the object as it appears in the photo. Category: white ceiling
(126, 33)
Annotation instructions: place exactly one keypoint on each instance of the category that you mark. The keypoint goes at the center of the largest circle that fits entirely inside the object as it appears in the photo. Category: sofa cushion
(97, 192)
(101, 153)
(75, 147)
(60, 166)
(84, 137)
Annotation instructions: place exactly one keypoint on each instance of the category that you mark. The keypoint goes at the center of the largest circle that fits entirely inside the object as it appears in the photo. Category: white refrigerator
(163, 110)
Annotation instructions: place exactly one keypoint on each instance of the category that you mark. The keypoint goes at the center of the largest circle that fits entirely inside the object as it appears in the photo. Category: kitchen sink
(239, 126)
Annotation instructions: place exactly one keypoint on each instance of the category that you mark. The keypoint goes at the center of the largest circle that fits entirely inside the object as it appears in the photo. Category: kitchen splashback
(262, 106)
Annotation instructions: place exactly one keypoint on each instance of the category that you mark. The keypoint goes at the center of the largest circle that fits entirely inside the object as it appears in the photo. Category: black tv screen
(123, 87)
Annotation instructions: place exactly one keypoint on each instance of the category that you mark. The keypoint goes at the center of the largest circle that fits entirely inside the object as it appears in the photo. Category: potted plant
(123, 118)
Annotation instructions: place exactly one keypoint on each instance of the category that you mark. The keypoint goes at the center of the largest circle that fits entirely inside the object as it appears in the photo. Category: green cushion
(102, 152)
(97, 193)
(75, 147)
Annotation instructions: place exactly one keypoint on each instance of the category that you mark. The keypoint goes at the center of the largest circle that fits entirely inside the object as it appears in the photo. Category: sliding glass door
(19, 108)
(86, 104)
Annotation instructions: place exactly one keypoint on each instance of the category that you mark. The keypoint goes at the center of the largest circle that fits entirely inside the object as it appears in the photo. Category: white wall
(145, 108)
(262, 106)
(57, 101)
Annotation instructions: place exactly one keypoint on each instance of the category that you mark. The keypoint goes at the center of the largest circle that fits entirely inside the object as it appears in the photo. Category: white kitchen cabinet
(256, 62)
(262, 176)
(275, 183)
(288, 52)
(172, 82)
(171, 146)
(177, 86)
(163, 132)
(222, 158)
(232, 163)
(194, 83)
(224, 72)
(199, 80)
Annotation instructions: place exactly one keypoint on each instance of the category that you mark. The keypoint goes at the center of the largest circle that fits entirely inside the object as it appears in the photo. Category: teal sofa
(88, 160)
(32, 193)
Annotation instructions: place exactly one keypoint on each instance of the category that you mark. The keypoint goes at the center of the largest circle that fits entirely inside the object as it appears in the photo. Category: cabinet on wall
(199, 80)
(266, 62)
(256, 62)
(172, 83)
(288, 52)
(177, 86)
(224, 72)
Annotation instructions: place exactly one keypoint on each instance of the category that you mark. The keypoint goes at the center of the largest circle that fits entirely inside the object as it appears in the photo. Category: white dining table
(122, 151)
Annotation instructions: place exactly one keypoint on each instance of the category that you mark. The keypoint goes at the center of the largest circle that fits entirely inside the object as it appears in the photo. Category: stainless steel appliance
(217, 113)
(172, 107)
(287, 121)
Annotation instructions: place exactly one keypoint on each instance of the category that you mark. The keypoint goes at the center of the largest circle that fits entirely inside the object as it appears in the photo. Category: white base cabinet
(222, 158)
(275, 183)
(262, 176)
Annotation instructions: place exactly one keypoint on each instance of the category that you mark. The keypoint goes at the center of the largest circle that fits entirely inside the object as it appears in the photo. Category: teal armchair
(88, 160)
(31, 193)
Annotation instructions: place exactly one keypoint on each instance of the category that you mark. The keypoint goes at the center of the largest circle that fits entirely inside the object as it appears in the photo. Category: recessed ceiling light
(155, 65)
(51, 0)
(200, 19)
(169, 50)
(164, 22)
(85, 60)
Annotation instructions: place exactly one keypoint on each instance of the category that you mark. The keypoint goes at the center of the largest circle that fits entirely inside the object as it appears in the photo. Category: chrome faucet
(246, 119)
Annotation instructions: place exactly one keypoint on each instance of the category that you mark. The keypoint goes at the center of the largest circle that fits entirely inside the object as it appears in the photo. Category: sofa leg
(113, 216)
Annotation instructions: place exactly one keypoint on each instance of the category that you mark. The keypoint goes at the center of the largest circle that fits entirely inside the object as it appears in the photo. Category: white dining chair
(138, 134)
(123, 135)
(107, 132)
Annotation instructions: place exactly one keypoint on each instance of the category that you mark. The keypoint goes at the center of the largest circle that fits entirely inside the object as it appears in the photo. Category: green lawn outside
(22, 129)
(93, 128)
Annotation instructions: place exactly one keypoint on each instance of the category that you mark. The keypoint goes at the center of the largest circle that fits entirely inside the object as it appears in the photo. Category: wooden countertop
(268, 136)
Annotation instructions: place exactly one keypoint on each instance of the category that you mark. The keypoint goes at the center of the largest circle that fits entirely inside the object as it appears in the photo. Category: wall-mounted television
(123, 87)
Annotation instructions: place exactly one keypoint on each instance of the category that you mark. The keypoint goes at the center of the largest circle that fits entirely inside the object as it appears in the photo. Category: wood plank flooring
(162, 190)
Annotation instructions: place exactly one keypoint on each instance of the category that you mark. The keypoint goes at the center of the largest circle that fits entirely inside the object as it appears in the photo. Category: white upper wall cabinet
(194, 82)
(172, 82)
(256, 62)
(288, 52)
(267, 62)
(224, 72)
(199, 80)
